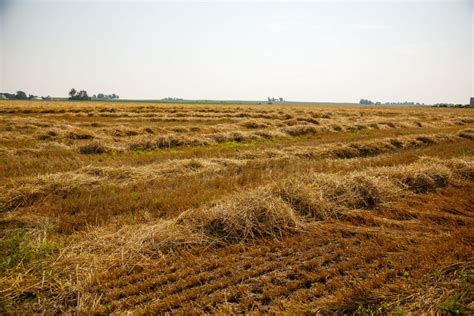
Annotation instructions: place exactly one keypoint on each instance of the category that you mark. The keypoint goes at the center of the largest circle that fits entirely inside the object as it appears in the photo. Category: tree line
(73, 95)
(271, 100)
(82, 95)
(369, 102)
(21, 95)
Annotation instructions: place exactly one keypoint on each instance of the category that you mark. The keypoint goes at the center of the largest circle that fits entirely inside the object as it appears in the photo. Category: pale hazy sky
(310, 51)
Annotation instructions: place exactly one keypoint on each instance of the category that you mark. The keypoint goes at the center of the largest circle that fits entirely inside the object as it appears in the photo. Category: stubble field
(119, 207)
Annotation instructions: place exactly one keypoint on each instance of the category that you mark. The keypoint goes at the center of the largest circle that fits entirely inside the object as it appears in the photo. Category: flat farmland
(149, 208)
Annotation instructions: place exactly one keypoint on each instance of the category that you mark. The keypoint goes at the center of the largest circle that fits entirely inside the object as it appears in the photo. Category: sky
(324, 51)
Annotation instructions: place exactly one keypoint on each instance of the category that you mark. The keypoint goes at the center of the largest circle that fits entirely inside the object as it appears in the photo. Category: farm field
(116, 207)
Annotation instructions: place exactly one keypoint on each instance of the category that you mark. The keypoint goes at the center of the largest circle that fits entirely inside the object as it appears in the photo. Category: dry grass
(467, 133)
(246, 216)
(307, 201)
(254, 124)
(26, 191)
(282, 210)
(424, 176)
(93, 148)
(175, 208)
(299, 130)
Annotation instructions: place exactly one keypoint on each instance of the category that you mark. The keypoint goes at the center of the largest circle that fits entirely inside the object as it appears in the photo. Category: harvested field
(121, 207)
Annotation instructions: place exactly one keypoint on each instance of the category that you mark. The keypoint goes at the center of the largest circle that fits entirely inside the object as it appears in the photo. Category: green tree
(20, 95)
(83, 95)
(72, 93)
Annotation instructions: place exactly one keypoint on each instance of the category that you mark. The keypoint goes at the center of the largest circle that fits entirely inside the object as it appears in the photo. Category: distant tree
(94, 96)
(281, 99)
(83, 95)
(20, 95)
(10, 96)
(365, 102)
(103, 96)
(72, 93)
(31, 96)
